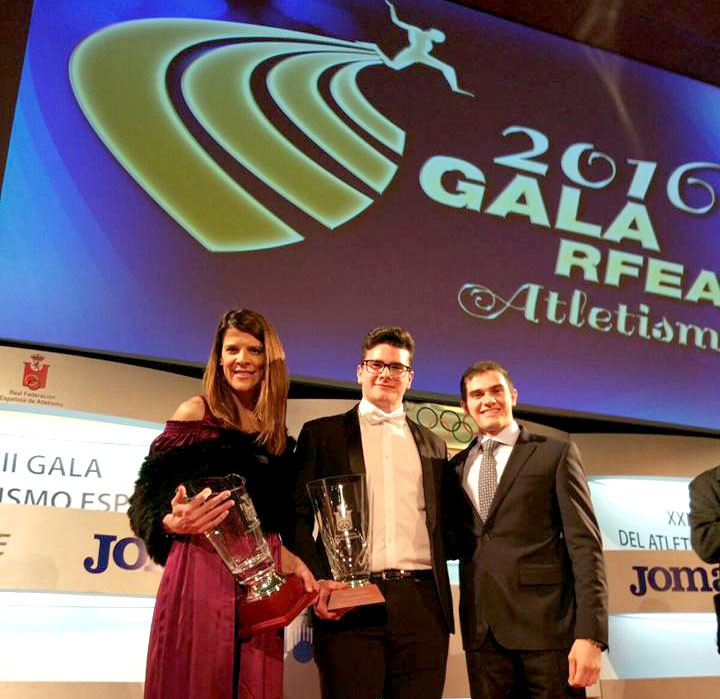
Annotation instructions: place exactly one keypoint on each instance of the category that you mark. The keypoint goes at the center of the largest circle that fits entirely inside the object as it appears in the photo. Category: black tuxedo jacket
(331, 446)
(534, 571)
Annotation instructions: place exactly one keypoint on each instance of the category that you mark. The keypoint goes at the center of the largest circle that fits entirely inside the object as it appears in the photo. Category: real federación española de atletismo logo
(120, 77)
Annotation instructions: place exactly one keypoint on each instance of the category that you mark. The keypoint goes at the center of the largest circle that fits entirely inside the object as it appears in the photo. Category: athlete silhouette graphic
(420, 44)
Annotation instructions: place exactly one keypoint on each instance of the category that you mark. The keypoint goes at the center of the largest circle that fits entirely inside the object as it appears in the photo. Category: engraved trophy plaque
(272, 598)
(341, 508)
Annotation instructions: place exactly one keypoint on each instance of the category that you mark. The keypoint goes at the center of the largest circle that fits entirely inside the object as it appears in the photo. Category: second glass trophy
(342, 513)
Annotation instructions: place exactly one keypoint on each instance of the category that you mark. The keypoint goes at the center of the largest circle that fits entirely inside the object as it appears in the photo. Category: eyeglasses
(395, 369)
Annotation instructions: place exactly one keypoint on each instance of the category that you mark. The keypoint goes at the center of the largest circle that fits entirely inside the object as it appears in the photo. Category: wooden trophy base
(279, 609)
(355, 597)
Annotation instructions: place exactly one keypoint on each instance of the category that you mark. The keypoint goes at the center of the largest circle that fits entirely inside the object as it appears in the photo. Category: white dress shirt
(399, 536)
(471, 475)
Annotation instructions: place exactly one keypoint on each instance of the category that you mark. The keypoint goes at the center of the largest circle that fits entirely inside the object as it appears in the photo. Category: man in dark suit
(705, 522)
(396, 650)
(533, 593)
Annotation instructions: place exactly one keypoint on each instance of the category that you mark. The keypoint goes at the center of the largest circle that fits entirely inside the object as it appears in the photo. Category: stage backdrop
(501, 192)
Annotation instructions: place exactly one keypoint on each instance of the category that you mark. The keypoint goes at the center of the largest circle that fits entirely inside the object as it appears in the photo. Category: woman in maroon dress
(237, 426)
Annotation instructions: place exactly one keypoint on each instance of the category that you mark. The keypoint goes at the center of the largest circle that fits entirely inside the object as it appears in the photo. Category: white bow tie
(378, 417)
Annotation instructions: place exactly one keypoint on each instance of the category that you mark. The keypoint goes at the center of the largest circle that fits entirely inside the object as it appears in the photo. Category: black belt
(398, 574)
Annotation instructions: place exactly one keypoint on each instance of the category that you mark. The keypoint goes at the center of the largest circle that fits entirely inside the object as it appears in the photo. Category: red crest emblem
(35, 374)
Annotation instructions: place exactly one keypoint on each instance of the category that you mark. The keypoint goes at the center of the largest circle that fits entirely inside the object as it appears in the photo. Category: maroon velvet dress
(194, 652)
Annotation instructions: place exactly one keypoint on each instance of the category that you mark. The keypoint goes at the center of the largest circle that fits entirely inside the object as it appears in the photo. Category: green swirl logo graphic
(121, 77)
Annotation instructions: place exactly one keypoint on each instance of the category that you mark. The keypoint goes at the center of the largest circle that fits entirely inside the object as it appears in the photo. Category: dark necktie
(487, 481)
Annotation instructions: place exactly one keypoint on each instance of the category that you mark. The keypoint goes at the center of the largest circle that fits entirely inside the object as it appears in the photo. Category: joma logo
(675, 579)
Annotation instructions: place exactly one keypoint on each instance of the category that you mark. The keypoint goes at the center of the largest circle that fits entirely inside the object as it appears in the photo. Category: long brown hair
(271, 406)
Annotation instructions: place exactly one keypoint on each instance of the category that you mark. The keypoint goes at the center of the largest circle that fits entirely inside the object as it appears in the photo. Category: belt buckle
(395, 574)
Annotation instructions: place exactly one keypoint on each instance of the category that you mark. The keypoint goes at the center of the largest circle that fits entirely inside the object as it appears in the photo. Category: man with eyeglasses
(396, 650)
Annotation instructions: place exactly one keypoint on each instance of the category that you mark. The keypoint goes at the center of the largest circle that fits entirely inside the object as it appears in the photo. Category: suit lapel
(459, 463)
(428, 477)
(353, 441)
(519, 456)
(460, 460)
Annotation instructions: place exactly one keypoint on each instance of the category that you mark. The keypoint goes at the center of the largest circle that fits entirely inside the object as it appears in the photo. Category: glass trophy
(272, 599)
(342, 513)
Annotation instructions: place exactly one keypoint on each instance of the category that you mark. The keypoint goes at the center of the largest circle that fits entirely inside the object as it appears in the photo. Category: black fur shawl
(270, 483)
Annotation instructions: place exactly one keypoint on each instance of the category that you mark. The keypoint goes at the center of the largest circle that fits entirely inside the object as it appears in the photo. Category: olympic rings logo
(440, 419)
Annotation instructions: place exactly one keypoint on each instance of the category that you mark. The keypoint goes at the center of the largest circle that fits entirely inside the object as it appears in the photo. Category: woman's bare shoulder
(191, 409)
